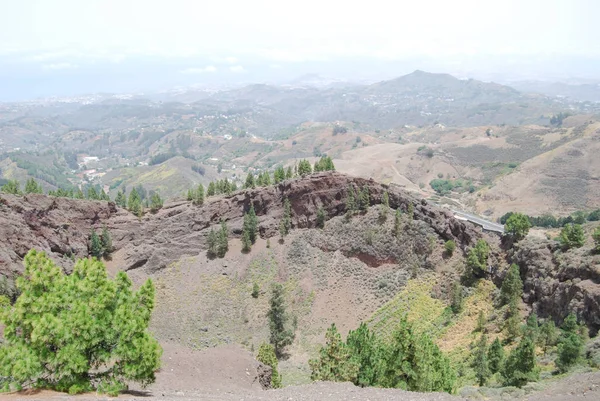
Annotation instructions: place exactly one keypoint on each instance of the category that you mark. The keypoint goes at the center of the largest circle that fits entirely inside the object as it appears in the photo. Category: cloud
(194, 70)
(237, 69)
(60, 66)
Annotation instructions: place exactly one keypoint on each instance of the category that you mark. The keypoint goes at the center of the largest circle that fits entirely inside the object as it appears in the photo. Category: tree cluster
(324, 164)
(218, 241)
(572, 236)
(411, 360)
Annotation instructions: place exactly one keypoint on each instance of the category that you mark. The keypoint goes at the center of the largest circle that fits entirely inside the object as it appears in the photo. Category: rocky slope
(61, 226)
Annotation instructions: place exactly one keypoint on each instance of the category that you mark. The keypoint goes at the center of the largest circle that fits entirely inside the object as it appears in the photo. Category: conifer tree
(289, 174)
(79, 332)
(223, 240)
(32, 187)
(279, 175)
(286, 222)
(457, 303)
(211, 190)
(350, 201)
(531, 328)
(548, 334)
(199, 195)
(255, 290)
(249, 181)
(495, 356)
(11, 187)
(106, 242)
(120, 199)
(385, 206)
(477, 258)
(570, 344)
(512, 322)
(79, 194)
(304, 168)
(212, 243)
(246, 243)
(104, 196)
(134, 203)
(397, 223)
(156, 202)
(95, 245)
(190, 195)
(572, 236)
(92, 194)
(520, 367)
(480, 361)
(596, 238)
(512, 285)
(334, 362)
(251, 223)
(281, 335)
(365, 198)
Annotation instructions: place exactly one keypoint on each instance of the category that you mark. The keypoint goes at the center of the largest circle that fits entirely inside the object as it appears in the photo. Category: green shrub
(266, 355)
(450, 247)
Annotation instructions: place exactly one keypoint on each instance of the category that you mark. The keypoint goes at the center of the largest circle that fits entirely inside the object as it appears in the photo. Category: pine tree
(266, 179)
(11, 187)
(266, 355)
(92, 194)
(156, 202)
(279, 175)
(411, 212)
(304, 168)
(134, 203)
(104, 196)
(512, 285)
(512, 322)
(95, 245)
(385, 206)
(520, 367)
(212, 243)
(91, 332)
(32, 187)
(456, 303)
(496, 356)
(246, 243)
(211, 190)
(249, 181)
(477, 258)
(289, 174)
(480, 361)
(199, 195)
(190, 195)
(367, 351)
(350, 201)
(106, 242)
(223, 240)
(531, 328)
(286, 222)
(548, 334)
(79, 194)
(252, 224)
(364, 198)
(321, 217)
(572, 236)
(397, 223)
(570, 344)
(281, 336)
(334, 362)
(120, 199)
(449, 247)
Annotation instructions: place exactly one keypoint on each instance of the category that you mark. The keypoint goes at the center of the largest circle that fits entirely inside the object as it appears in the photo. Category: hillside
(350, 271)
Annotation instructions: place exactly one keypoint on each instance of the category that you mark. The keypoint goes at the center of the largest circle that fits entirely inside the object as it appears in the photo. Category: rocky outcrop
(61, 226)
(556, 283)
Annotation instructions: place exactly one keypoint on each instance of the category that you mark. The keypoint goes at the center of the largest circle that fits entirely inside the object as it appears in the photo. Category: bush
(112, 345)
(450, 247)
(338, 129)
(266, 355)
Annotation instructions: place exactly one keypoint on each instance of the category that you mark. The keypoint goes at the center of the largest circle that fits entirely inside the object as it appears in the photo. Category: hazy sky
(230, 36)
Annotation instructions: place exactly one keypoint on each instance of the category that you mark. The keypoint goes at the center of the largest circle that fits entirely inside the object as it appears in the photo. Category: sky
(90, 45)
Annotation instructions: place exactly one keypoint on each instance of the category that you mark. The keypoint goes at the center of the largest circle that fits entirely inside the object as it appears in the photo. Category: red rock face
(62, 226)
